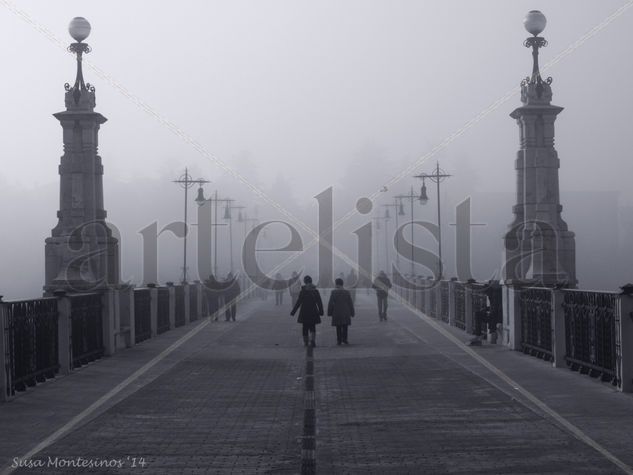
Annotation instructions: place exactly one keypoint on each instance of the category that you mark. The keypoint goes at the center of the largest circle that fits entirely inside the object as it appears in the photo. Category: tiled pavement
(400, 398)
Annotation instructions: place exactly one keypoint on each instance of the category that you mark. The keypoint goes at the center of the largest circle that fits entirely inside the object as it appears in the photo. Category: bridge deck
(401, 398)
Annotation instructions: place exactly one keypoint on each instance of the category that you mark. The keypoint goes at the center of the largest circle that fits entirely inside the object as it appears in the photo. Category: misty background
(299, 96)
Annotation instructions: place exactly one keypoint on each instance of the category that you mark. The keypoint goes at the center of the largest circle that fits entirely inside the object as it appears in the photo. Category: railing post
(451, 301)
(5, 376)
(109, 306)
(512, 315)
(427, 299)
(172, 305)
(559, 342)
(625, 311)
(131, 315)
(468, 308)
(186, 289)
(63, 332)
(199, 299)
(153, 310)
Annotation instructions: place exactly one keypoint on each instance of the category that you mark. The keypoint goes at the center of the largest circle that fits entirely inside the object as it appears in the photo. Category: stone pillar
(172, 305)
(81, 254)
(187, 303)
(126, 332)
(538, 244)
(109, 299)
(63, 332)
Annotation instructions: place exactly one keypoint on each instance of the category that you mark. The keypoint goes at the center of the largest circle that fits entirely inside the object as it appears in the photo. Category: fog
(277, 101)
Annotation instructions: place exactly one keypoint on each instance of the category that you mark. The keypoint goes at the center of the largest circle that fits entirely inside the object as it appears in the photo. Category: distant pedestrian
(278, 286)
(311, 306)
(382, 284)
(341, 309)
(231, 295)
(295, 288)
(352, 283)
(212, 292)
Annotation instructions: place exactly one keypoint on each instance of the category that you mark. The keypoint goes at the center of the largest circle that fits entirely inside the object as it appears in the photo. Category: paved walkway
(403, 397)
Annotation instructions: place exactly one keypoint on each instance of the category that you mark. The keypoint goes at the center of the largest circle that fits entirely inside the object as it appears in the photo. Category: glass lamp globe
(534, 22)
(79, 29)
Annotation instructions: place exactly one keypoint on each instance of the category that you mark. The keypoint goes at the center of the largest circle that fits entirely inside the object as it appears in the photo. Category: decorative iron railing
(591, 327)
(31, 339)
(142, 315)
(536, 322)
(180, 305)
(162, 310)
(478, 307)
(86, 323)
(193, 302)
(444, 300)
(460, 305)
(432, 301)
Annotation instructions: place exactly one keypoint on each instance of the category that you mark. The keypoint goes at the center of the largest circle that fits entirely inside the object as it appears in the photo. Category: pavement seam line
(308, 439)
(76, 420)
(571, 428)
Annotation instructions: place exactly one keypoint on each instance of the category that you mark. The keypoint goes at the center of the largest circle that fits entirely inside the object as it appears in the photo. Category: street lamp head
(79, 29)
(423, 196)
(200, 198)
(534, 22)
(401, 209)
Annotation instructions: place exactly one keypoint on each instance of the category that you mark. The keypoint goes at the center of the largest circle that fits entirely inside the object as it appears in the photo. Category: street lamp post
(411, 197)
(228, 216)
(186, 182)
(437, 177)
(214, 222)
(395, 206)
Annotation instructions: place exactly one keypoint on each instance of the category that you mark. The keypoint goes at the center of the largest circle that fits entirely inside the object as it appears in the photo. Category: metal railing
(460, 305)
(444, 300)
(180, 305)
(142, 315)
(31, 342)
(193, 302)
(432, 294)
(591, 333)
(162, 310)
(536, 322)
(86, 323)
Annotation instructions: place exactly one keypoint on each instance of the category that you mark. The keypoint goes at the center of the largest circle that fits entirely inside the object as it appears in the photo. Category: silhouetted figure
(278, 286)
(295, 288)
(212, 292)
(311, 306)
(341, 308)
(382, 284)
(232, 292)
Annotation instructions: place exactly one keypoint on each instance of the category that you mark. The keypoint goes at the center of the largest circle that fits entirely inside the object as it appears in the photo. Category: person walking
(382, 284)
(341, 308)
(294, 288)
(279, 289)
(309, 301)
(231, 295)
(212, 291)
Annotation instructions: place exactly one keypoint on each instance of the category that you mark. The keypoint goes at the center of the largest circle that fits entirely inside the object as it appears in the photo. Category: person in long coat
(341, 308)
(309, 301)
(231, 296)
(382, 284)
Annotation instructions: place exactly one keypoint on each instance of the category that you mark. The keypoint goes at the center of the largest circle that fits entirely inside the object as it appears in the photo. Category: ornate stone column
(81, 254)
(538, 244)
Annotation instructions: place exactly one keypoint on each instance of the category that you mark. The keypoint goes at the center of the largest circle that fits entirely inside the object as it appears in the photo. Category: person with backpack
(382, 284)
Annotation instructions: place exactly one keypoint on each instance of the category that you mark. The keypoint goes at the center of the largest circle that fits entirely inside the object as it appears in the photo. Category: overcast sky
(301, 95)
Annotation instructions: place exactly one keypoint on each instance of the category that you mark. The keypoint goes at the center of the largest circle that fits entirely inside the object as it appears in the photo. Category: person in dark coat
(382, 284)
(311, 306)
(231, 295)
(212, 291)
(341, 308)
